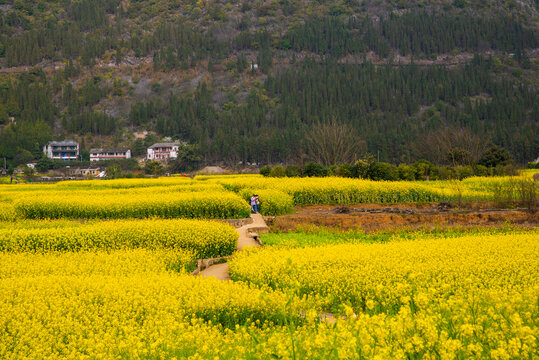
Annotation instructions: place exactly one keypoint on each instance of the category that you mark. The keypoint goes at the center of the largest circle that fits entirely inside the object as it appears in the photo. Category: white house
(109, 154)
(163, 151)
(62, 150)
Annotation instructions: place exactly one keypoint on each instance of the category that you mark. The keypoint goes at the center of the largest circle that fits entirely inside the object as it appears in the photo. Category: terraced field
(82, 279)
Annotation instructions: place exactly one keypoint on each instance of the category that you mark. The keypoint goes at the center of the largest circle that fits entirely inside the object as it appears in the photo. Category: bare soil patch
(376, 217)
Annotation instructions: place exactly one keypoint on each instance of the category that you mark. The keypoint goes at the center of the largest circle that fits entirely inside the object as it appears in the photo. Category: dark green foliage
(188, 159)
(426, 33)
(154, 168)
(265, 170)
(292, 171)
(277, 171)
(382, 171)
(44, 164)
(313, 169)
(384, 103)
(380, 102)
(374, 170)
(91, 122)
(495, 156)
(343, 170)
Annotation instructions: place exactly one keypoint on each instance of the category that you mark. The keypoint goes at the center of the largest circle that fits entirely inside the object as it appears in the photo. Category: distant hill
(246, 80)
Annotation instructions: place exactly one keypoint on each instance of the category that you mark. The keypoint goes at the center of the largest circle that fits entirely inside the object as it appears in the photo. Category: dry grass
(376, 217)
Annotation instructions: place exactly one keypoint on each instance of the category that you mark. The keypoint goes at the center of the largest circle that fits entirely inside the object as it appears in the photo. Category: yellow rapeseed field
(121, 305)
(479, 291)
(120, 289)
(215, 196)
(336, 190)
(465, 298)
(111, 206)
(205, 239)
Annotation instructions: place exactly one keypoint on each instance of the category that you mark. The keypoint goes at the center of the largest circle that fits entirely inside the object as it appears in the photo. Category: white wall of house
(110, 155)
(163, 153)
(62, 150)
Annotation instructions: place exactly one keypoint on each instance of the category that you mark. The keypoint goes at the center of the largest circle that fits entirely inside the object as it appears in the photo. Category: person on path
(254, 205)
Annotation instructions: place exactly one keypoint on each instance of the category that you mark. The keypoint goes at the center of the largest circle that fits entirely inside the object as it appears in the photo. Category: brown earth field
(375, 217)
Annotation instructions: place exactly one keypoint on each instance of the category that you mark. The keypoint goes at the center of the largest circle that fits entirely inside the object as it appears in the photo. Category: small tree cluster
(367, 168)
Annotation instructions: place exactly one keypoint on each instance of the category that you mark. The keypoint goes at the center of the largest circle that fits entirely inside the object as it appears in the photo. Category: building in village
(109, 154)
(62, 150)
(163, 151)
(85, 171)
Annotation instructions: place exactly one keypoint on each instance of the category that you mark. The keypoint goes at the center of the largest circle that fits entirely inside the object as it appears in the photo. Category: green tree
(44, 164)
(277, 171)
(313, 169)
(154, 168)
(188, 159)
(292, 171)
(265, 170)
(113, 171)
(495, 156)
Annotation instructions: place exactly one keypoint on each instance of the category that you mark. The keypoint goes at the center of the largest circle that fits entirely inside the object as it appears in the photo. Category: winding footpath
(248, 238)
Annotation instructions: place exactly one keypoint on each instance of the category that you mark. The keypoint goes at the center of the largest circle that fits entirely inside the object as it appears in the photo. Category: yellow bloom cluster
(391, 273)
(138, 205)
(206, 239)
(212, 196)
(125, 183)
(478, 292)
(272, 202)
(89, 263)
(335, 190)
(104, 312)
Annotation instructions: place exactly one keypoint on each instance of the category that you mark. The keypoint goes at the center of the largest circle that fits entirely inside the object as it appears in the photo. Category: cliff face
(247, 80)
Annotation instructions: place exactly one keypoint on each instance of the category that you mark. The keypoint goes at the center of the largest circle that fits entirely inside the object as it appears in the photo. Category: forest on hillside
(73, 68)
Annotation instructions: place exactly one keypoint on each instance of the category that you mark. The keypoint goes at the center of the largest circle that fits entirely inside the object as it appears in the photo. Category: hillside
(246, 80)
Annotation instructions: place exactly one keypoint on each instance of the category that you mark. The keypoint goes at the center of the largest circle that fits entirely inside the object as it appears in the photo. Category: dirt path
(248, 235)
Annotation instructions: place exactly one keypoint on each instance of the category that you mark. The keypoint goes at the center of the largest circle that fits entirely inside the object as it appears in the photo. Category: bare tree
(458, 146)
(333, 143)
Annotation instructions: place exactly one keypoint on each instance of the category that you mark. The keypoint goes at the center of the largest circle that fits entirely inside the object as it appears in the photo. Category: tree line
(495, 161)
(90, 28)
(400, 112)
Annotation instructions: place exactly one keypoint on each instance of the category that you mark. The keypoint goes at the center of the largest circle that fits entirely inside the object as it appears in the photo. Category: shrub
(265, 170)
(360, 169)
(406, 172)
(344, 170)
(313, 169)
(292, 171)
(382, 171)
(277, 171)
(462, 172)
(495, 156)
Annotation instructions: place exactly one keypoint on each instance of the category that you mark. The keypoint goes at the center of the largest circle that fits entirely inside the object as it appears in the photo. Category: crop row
(463, 298)
(475, 294)
(205, 239)
(114, 263)
(333, 190)
(142, 315)
(385, 276)
(166, 205)
(272, 202)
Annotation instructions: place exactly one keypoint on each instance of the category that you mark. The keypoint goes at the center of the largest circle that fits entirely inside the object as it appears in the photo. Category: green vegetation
(399, 73)
(320, 236)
